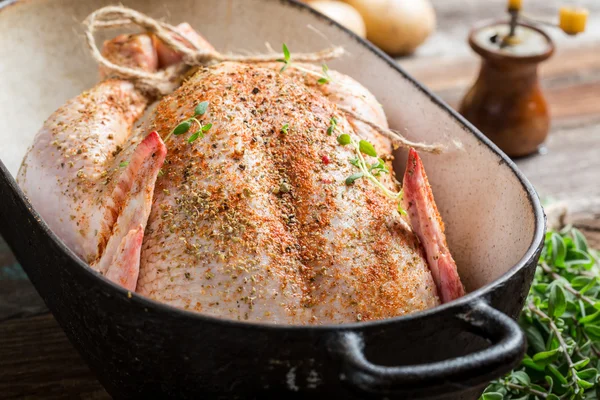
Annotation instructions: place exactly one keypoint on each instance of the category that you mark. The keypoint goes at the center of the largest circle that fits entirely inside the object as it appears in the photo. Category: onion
(342, 13)
(397, 26)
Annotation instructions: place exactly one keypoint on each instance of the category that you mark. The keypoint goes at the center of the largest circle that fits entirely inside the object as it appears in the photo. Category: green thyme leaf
(546, 357)
(194, 136)
(350, 180)
(123, 164)
(593, 331)
(285, 128)
(325, 78)
(286, 53)
(579, 240)
(581, 364)
(534, 338)
(355, 162)
(367, 148)
(206, 128)
(182, 128)
(344, 139)
(492, 396)
(201, 108)
(588, 374)
(556, 302)
(521, 377)
(558, 250)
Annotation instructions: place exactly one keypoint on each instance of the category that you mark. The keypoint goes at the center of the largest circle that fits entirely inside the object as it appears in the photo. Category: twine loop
(163, 82)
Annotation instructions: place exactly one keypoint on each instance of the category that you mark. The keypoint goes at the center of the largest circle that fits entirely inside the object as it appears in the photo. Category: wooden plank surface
(37, 361)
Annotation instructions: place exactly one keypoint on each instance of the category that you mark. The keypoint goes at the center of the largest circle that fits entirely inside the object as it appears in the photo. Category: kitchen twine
(166, 81)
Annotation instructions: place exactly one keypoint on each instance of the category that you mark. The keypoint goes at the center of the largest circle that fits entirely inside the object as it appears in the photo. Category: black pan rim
(528, 258)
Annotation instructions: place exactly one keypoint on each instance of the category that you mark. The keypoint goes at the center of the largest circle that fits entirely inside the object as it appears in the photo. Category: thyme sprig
(367, 170)
(324, 78)
(186, 125)
(561, 320)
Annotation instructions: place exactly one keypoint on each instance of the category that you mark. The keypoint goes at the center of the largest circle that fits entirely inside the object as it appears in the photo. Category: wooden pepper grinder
(506, 102)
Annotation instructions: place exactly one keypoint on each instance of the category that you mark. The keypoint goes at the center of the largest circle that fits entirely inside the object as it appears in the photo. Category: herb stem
(306, 70)
(561, 341)
(362, 164)
(594, 349)
(526, 389)
(567, 286)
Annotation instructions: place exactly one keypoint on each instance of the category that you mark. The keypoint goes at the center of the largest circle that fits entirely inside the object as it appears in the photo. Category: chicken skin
(246, 212)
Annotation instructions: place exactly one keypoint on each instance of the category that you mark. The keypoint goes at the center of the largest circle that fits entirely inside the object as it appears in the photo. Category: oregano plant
(561, 320)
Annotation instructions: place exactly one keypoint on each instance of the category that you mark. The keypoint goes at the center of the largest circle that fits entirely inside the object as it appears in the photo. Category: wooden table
(36, 360)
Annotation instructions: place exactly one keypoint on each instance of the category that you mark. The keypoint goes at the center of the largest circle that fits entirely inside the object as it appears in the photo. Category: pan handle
(456, 374)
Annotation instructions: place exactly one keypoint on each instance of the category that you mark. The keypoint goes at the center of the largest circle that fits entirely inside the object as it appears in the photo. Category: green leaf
(528, 362)
(534, 338)
(588, 374)
(201, 108)
(585, 384)
(355, 162)
(367, 148)
(556, 302)
(285, 128)
(123, 164)
(580, 281)
(576, 257)
(286, 53)
(379, 166)
(521, 377)
(492, 396)
(195, 136)
(344, 139)
(556, 373)
(589, 318)
(552, 397)
(495, 387)
(581, 364)
(589, 285)
(579, 240)
(593, 331)
(182, 128)
(559, 250)
(206, 128)
(546, 357)
(332, 126)
(350, 180)
(323, 81)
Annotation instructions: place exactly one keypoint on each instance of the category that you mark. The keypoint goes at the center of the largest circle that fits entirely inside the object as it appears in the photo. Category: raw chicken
(252, 220)
(87, 175)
